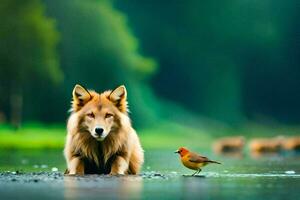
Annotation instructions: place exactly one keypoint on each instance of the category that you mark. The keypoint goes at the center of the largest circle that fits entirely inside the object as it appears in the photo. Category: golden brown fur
(116, 150)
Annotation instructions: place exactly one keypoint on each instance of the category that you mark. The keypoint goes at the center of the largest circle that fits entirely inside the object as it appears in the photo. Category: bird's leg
(199, 171)
(194, 173)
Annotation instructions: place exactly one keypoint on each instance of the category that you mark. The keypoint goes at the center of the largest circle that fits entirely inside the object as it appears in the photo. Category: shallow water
(266, 177)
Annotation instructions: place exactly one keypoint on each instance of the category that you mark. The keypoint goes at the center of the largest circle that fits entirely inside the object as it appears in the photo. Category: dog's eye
(108, 115)
(91, 115)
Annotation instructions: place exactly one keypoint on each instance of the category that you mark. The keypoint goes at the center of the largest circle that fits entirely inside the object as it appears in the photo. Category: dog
(100, 138)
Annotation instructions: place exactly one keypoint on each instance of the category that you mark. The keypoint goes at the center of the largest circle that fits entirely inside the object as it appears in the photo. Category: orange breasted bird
(193, 160)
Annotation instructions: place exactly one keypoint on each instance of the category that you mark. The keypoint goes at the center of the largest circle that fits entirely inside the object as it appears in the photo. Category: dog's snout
(99, 130)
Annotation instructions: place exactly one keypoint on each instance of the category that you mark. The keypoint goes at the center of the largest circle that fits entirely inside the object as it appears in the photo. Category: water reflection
(235, 155)
(194, 187)
(95, 186)
(269, 177)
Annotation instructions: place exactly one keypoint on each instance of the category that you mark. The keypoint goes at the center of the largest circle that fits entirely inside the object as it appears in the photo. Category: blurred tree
(99, 51)
(27, 51)
(223, 59)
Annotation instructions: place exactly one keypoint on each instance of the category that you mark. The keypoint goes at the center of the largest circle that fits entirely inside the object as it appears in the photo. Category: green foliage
(236, 59)
(229, 61)
(99, 51)
(97, 46)
(29, 41)
(28, 53)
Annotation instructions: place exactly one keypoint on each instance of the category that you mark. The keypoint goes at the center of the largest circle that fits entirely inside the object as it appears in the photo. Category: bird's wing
(193, 157)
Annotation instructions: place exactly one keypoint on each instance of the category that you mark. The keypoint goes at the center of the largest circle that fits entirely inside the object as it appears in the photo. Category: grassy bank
(165, 135)
(32, 137)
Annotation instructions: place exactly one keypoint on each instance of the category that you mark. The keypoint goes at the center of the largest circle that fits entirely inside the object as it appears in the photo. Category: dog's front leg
(119, 166)
(76, 166)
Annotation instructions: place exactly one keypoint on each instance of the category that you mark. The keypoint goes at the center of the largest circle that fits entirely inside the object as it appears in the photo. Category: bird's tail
(212, 161)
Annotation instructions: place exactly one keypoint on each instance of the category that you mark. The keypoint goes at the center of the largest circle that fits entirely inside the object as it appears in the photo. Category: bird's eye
(91, 115)
(108, 115)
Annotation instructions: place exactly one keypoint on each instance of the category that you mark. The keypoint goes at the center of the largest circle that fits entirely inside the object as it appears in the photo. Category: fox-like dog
(100, 138)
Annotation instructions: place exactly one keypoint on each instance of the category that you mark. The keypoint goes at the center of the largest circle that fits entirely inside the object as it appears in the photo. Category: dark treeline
(229, 60)
(224, 59)
(93, 45)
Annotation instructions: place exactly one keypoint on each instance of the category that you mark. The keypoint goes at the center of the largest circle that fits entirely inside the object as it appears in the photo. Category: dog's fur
(117, 150)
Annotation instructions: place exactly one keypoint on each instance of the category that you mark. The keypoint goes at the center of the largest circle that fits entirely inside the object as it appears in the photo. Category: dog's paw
(116, 174)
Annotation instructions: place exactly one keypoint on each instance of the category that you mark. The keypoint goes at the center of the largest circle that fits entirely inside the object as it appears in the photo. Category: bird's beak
(176, 151)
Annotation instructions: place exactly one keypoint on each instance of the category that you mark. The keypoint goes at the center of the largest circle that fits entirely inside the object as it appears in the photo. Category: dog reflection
(91, 186)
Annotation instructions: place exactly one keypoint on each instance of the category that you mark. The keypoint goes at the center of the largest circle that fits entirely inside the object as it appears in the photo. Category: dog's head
(99, 114)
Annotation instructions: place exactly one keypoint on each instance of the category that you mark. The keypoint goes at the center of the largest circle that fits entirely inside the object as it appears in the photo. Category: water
(266, 177)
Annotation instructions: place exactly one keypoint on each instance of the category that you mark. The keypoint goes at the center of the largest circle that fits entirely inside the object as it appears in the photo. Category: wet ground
(266, 177)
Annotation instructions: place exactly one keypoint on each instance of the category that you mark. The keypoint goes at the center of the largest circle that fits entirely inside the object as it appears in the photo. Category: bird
(193, 160)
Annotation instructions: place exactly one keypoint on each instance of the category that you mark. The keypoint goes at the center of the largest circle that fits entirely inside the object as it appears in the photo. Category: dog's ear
(119, 97)
(80, 97)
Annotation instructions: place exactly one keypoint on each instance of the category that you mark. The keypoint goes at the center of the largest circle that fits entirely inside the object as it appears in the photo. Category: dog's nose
(99, 131)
